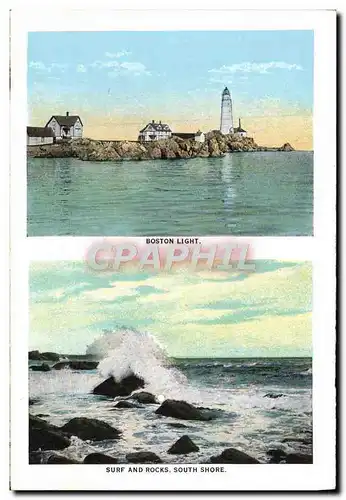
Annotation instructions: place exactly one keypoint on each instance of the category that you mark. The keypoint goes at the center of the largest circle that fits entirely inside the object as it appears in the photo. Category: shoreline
(216, 145)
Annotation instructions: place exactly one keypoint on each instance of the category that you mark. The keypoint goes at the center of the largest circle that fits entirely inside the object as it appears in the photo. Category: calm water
(240, 194)
(233, 389)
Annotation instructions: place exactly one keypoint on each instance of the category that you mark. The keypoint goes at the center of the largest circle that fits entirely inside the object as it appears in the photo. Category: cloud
(81, 68)
(251, 67)
(41, 67)
(121, 68)
(116, 55)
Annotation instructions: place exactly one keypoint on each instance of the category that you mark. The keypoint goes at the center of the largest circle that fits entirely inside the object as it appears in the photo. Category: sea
(257, 404)
(254, 193)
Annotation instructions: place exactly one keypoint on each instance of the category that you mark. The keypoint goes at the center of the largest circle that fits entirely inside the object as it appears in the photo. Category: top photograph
(170, 133)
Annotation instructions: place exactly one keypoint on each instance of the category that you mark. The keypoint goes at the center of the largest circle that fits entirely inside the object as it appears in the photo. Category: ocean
(261, 193)
(234, 390)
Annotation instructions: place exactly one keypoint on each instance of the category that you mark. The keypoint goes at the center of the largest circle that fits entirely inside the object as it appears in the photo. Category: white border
(321, 474)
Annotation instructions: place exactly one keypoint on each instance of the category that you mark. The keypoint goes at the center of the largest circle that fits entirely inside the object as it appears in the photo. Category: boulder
(273, 396)
(33, 401)
(125, 387)
(76, 365)
(182, 410)
(177, 425)
(90, 429)
(40, 368)
(146, 398)
(60, 459)
(183, 446)
(43, 356)
(34, 355)
(124, 404)
(233, 456)
(44, 436)
(286, 147)
(99, 458)
(298, 458)
(143, 457)
(277, 455)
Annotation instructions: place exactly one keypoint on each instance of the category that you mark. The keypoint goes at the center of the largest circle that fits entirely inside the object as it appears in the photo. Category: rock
(277, 455)
(286, 147)
(271, 395)
(125, 404)
(35, 457)
(298, 458)
(40, 368)
(34, 355)
(33, 401)
(146, 398)
(76, 365)
(43, 356)
(90, 429)
(297, 440)
(111, 388)
(183, 446)
(233, 456)
(177, 425)
(99, 458)
(45, 436)
(143, 457)
(181, 409)
(60, 459)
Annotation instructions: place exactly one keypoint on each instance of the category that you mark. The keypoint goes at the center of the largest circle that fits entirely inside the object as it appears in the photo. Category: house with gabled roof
(239, 131)
(39, 135)
(155, 131)
(66, 126)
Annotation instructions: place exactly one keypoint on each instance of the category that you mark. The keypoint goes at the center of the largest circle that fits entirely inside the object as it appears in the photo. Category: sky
(119, 81)
(191, 314)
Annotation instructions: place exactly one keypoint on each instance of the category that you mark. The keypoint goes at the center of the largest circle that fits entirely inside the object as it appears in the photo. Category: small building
(196, 136)
(240, 132)
(66, 126)
(39, 135)
(155, 132)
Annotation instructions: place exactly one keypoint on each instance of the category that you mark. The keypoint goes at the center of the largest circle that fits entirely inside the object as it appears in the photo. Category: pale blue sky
(198, 314)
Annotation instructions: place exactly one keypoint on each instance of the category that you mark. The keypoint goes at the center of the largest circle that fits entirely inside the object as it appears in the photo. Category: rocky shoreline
(215, 145)
(46, 439)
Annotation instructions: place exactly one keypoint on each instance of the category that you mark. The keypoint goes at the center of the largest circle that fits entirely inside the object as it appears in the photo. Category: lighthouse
(226, 123)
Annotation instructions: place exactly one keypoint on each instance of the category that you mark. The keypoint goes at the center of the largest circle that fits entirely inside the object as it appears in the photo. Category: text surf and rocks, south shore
(215, 145)
(84, 410)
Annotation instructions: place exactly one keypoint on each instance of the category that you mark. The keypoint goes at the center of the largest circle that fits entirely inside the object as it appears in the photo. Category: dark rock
(90, 428)
(181, 409)
(277, 455)
(35, 457)
(143, 457)
(144, 397)
(33, 401)
(40, 368)
(43, 356)
(177, 425)
(76, 365)
(183, 446)
(34, 355)
(111, 388)
(233, 456)
(298, 458)
(286, 147)
(60, 459)
(125, 404)
(99, 458)
(45, 436)
(271, 395)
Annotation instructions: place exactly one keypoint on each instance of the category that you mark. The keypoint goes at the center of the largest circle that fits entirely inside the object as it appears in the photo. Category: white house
(155, 132)
(66, 127)
(39, 135)
(240, 132)
(196, 136)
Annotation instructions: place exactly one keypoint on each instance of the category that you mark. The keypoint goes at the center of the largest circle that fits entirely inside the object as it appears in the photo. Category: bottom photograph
(180, 367)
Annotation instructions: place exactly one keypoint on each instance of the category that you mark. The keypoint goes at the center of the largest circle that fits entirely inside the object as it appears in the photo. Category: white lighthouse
(226, 123)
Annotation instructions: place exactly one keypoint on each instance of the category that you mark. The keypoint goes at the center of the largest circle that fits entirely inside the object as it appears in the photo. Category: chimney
(67, 113)
(239, 123)
(152, 121)
(160, 122)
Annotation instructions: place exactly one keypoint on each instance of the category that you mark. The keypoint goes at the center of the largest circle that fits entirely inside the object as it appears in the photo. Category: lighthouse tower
(226, 123)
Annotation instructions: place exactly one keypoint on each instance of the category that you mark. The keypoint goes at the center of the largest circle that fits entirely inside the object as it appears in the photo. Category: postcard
(173, 213)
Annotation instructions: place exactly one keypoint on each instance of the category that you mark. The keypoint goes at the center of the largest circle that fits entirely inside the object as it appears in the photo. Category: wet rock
(43, 356)
(45, 436)
(182, 410)
(76, 365)
(40, 368)
(144, 398)
(33, 401)
(277, 455)
(35, 457)
(143, 457)
(60, 459)
(125, 404)
(183, 446)
(90, 429)
(271, 395)
(233, 456)
(177, 425)
(298, 458)
(99, 458)
(125, 387)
